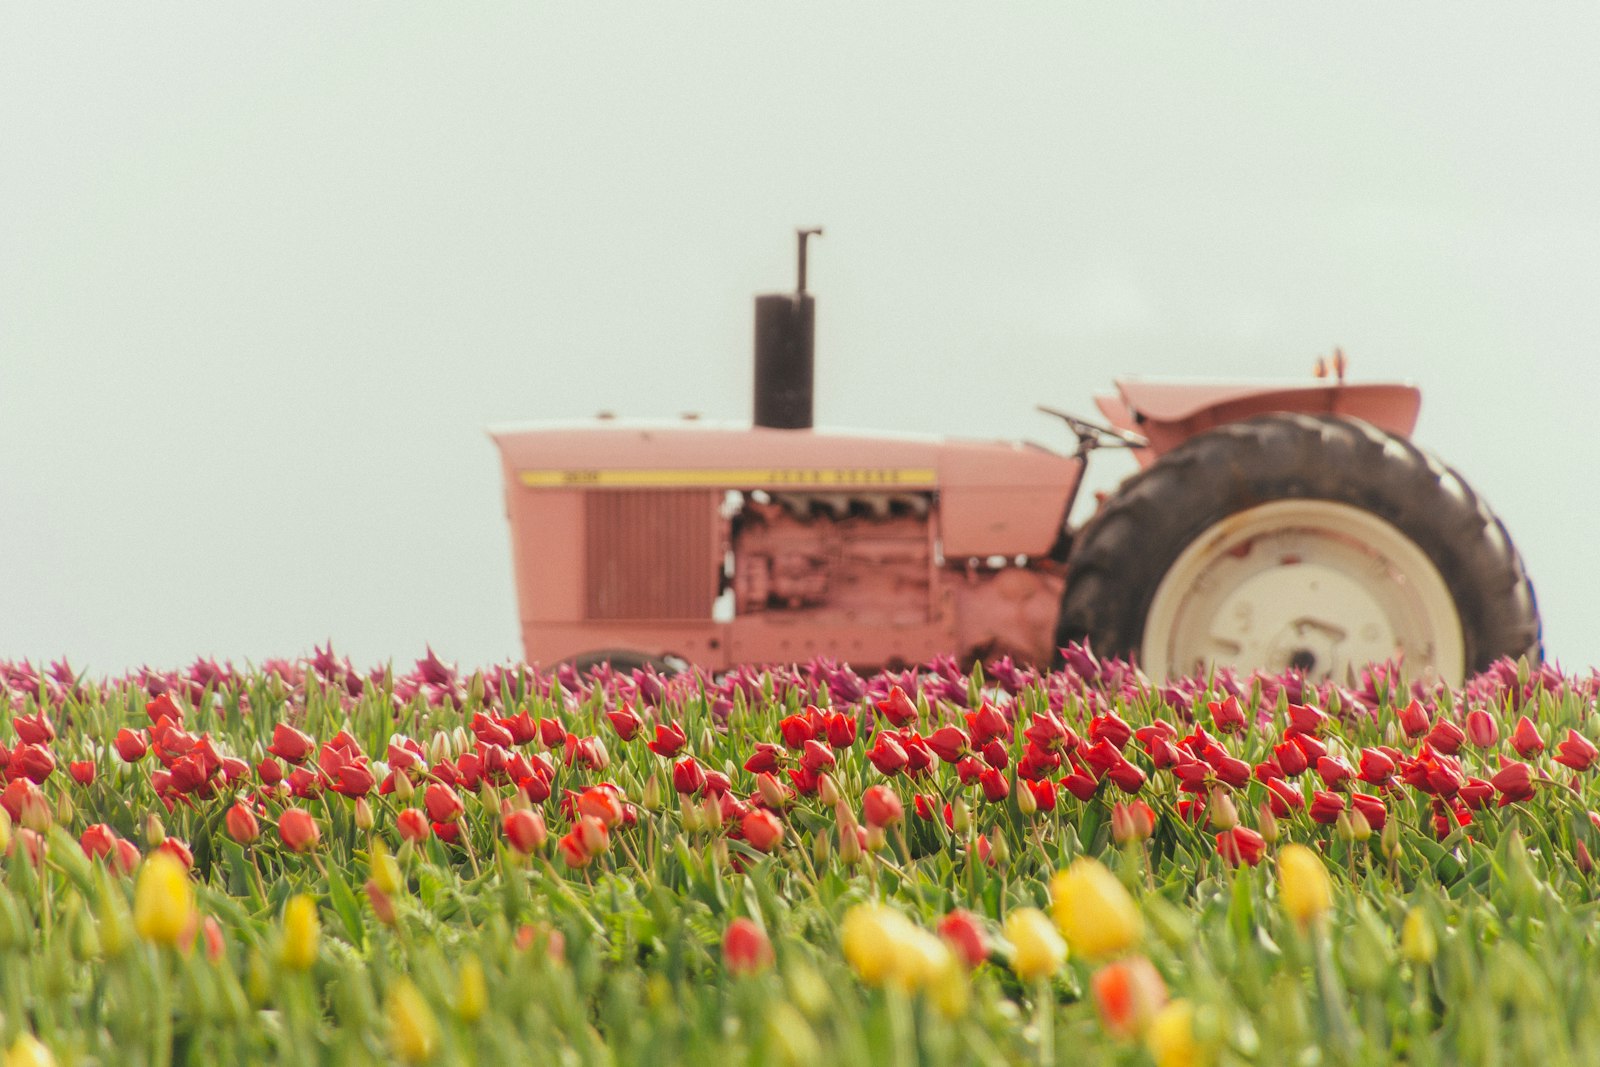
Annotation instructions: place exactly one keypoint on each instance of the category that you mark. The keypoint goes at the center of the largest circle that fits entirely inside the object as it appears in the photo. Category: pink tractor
(1270, 526)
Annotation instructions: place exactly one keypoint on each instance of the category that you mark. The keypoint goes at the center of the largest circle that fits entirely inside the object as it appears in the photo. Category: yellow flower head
(1093, 910)
(473, 990)
(1303, 884)
(886, 948)
(28, 1051)
(301, 932)
(163, 900)
(1418, 944)
(1038, 951)
(1170, 1039)
(385, 871)
(413, 1031)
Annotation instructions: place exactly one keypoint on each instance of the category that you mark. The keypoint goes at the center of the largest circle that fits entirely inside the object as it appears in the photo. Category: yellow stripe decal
(712, 477)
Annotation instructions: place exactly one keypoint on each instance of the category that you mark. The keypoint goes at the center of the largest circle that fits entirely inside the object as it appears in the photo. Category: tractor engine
(841, 557)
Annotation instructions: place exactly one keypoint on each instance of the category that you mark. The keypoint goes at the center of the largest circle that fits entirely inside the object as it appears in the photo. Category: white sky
(266, 273)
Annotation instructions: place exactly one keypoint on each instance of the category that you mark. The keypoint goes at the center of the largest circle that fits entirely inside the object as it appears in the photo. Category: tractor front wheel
(1314, 543)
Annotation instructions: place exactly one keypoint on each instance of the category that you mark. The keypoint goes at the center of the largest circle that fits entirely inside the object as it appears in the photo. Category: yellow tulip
(1303, 884)
(1039, 951)
(27, 1051)
(1170, 1039)
(413, 1031)
(1093, 910)
(871, 936)
(302, 929)
(1417, 941)
(163, 900)
(949, 990)
(473, 990)
(385, 871)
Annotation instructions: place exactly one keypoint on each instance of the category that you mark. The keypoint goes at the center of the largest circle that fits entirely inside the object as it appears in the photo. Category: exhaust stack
(785, 352)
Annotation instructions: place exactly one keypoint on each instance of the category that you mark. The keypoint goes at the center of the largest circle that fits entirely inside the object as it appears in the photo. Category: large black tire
(1119, 559)
(625, 660)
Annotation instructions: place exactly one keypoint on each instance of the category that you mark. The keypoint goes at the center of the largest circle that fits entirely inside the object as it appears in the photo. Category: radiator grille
(649, 554)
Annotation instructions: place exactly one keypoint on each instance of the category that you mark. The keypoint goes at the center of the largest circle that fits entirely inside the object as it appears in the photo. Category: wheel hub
(1307, 585)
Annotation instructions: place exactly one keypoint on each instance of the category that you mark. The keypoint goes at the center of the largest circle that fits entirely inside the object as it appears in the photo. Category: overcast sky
(267, 273)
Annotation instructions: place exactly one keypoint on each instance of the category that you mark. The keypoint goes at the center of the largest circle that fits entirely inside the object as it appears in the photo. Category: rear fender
(1169, 413)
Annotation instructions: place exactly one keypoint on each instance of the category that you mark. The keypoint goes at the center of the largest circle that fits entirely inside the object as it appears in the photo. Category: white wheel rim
(1313, 584)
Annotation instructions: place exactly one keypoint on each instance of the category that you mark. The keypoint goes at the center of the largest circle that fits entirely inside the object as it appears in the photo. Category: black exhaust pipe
(786, 353)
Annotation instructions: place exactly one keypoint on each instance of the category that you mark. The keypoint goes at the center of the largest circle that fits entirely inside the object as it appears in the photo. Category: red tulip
(1482, 730)
(887, 755)
(987, 724)
(745, 948)
(131, 745)
(35, 729)
(442, 803)
(1044, 793)
(490, 732)
(1376, 767)
(1514, 782)
(797, 730)
(1306, 719)
(1283, 797)
(1241, 845)
(816, 758)
(412, 825)
(1446, 737)
(1476, 793)
(625, 721)
(689, 778)
(898, 708)
(1413, 719)
(1576, 751)
(1326, 807)
(1046, 731)
(524, 830)
(290, 744)
(880, 806)
(1292, 761)
(1080, 785)
(761, 829)
(98, 841)
(355, 780)
(551, 732)
(1227, 714)
(298, 829)
(1126, 777)
(82, 771)
(1371, 809)
(949, 743)
(178, 850)
(670, 738)
(573, 854)
(33, 762)
(1525, 738)
(1334, 771)
(270, 771)
(1127, 995)
(1132, 821)
(242, 825)
(995, 786)
(840, 729)
(164, 707)
(996, 755)
(1110, 727)
(962, 932)
(765, 759)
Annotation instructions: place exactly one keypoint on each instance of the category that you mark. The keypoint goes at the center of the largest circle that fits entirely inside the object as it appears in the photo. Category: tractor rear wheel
(1299, 542)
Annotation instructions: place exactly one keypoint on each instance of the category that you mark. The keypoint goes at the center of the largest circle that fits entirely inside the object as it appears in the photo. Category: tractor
(1269, 526)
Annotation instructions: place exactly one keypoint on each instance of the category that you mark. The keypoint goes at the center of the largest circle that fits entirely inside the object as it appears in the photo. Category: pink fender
(1169, 413)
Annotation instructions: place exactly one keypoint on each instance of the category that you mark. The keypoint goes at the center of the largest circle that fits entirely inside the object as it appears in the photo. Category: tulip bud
(5, 831)
(472, 995)
(691, 815)
(1027, 805)
(1037, 950)
(960, 816)
(364, 819)
(877, 838)
(163, 900)
(1342, 827)
(1418, 945)
(36, 814)
(1224, 816)
(1360, 828)
(1303, 884)
(384, 870)
(403, 787)
(650, 797)
(154, 832)
(999, 851)
(302, 930)
(1094, 911)
(1389, 839)
(774, 794)
(1267, 823)
(413, 1030)
(827, 790)
(849, 844)
(711, 813)
(819, 849)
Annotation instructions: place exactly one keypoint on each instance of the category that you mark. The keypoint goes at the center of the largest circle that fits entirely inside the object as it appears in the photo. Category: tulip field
(306, 863)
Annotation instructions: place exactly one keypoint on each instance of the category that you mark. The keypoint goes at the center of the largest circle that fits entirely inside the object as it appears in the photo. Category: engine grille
(650, 554)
